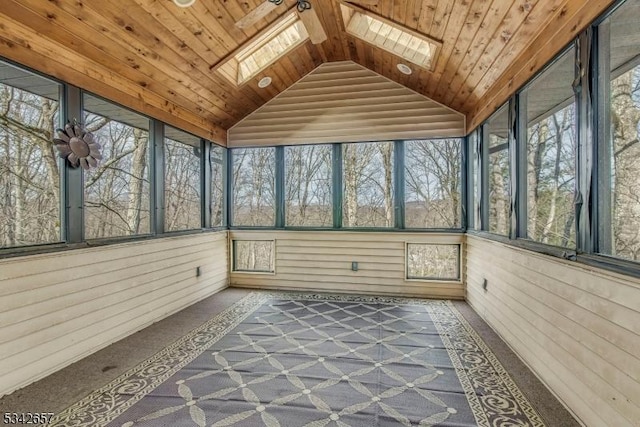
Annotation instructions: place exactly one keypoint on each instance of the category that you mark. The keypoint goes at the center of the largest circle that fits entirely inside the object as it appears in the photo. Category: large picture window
(308, 186)
(433, 173)
(117, 191)
(368, 184)
(622, 238)
(29, 175)
(216, 163)
(551, 154)
(499, 199)
(183, 204)
(254, 187)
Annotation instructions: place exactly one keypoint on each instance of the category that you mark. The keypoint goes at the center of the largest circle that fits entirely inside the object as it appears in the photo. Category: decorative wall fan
(306, 12)
(77, 146)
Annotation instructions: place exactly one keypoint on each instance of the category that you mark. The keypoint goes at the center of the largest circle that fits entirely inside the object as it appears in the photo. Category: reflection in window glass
(433, 180)
(430, 261)
(551, 155)
(216, 163)
(625, 132)
(308, 186)
(29, 176)
(181, 181)
(368, 184)
(253, 255)
(499, 202)
(254, 181)
(117, 191)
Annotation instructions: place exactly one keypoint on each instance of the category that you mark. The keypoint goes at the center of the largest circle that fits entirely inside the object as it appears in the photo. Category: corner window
(551, 154)
(29, 174)
(117, 191)
(183, 204)
(433, 174)
(499, 176)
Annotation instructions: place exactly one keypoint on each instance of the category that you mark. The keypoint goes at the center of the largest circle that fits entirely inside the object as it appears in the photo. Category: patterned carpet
(289, 359)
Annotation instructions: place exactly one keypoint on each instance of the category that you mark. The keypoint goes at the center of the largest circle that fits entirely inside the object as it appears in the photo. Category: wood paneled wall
(577, 328)
(60, 307)
(345, 102)
(321, 261)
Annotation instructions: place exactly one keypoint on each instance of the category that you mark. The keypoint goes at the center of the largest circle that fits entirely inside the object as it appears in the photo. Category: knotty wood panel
(578, 328)
(321, 261)
(57, 308)
(345, 102)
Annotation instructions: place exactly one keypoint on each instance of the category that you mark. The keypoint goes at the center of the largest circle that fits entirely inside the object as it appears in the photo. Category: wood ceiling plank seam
(440, 18)
(409, 19)
(527, 32)
(150, 80)
(186, 61)
(397, 11)
(492, 21)
(508, 26)
(338, 26)
(20, 50)
(456, 26)
(471, 28)
(317, 53)
(577, 15)
(41, 10)
(426, 15)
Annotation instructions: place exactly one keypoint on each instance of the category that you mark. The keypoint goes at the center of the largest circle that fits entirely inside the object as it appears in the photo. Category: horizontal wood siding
(321, 261)
(578, 328)
(60, 307)
(345, 102)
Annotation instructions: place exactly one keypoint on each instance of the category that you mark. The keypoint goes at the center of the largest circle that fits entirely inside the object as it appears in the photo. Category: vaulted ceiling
(158, 58)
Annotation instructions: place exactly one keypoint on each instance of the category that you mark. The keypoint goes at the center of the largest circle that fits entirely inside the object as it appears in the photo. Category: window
(254, 187)
(433, 261)
(308, 184)
(551, 154)
(29, 175)
(499, 200)
(368, 184)
(622, 238)
(117, 191)
(182, 200)
(264, 49)
(408, 44)
(433, 174)
(253, 255)
(216, 163)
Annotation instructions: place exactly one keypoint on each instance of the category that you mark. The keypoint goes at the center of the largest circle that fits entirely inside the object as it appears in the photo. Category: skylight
(264, 49)
(404, 42)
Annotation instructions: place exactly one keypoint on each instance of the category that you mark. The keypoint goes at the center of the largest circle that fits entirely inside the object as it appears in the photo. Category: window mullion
(73, 177)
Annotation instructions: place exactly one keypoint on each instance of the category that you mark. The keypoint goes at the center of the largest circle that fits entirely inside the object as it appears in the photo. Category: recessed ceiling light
(404, 69)
(184, 3)
(264, 82)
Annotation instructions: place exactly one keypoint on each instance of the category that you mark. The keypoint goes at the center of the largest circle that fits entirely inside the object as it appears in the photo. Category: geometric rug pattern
(295, 359)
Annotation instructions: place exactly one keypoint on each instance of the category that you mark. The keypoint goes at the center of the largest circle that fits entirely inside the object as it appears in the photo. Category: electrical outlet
(354, 265)
(484, 284)
(197, 271)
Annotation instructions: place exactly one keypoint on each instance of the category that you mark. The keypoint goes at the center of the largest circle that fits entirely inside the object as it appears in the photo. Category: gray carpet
(294, 359)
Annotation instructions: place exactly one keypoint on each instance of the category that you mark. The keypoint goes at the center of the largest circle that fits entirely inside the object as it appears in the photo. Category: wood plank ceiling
(157, 58)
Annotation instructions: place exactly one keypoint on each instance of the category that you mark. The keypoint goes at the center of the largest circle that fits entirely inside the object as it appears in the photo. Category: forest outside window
(216, 163)
(183, 203)
(368, 184)
(117, 191)
(433, 261)
(254, 187)
(254, 256)
(433, 174)
(308, 201)
(499, 176)
(29, 169)
(621, 236)
(551, 154)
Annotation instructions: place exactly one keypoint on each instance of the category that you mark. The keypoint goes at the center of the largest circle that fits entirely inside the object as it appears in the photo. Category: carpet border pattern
(492, 397)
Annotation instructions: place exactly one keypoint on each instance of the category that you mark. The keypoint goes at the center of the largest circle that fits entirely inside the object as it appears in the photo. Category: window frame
(456, 280)
(233, 264)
